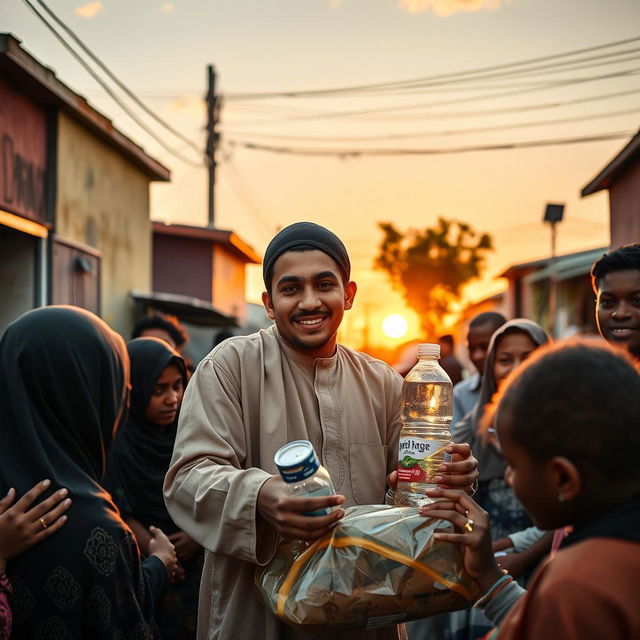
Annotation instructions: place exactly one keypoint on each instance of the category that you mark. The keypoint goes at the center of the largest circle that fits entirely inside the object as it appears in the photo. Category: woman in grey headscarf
(510, 345)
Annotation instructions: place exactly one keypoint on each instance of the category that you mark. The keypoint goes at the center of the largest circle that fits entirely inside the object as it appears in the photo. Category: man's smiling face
(307, 301)
(618, 309)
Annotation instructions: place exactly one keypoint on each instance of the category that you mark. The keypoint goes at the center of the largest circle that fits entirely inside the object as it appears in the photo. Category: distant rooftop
(231, 240)
(619, 165)
(567, 265)
(42, 83)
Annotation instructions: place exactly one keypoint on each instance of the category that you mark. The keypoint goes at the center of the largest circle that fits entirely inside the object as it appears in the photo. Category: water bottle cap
(296, 461)
(428, 349)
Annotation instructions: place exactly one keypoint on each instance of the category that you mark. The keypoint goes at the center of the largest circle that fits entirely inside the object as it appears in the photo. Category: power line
(428, 134)
(244, 196)
(479, 112)
(523, 108)
(560, 67)
(541, 71)
(474, 98)
(358, 153)
(117, 81)
(108, 90)
(441, 87)
(459, 74)
(538, 84)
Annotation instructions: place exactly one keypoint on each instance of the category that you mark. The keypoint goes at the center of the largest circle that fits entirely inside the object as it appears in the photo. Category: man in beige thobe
(253, 394)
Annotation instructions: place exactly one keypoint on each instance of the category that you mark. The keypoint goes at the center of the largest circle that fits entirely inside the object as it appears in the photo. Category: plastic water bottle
(427, 411)
(304, 475)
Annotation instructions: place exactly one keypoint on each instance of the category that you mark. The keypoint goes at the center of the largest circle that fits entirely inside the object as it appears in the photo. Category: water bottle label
(419, 459)
(317, 493)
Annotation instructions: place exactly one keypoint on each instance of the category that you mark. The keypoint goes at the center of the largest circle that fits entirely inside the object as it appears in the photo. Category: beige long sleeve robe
(249, 397)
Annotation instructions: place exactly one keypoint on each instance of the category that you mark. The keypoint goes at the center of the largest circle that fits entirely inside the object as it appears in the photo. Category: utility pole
(553, 214)
(213, 113)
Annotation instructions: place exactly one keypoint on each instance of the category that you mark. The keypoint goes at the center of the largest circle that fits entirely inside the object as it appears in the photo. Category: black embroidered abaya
(63, 384)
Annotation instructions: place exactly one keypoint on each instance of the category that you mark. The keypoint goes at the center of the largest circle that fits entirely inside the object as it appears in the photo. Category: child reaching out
(563, 422)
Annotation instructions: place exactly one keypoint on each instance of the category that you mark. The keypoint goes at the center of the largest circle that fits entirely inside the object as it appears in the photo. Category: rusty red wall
(23, 154)
(624, 198)
(182, 266)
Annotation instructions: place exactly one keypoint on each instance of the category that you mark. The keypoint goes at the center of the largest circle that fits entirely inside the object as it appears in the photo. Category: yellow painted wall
(228, 284)
(102, 200)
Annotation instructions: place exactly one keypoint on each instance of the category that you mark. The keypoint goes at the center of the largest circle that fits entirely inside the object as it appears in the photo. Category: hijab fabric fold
(63, 382)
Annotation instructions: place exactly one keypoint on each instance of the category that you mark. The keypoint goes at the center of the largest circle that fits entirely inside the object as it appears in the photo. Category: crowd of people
(139, 498)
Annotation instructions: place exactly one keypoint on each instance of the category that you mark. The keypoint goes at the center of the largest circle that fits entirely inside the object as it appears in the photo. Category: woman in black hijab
(63, 388)
(137, 465)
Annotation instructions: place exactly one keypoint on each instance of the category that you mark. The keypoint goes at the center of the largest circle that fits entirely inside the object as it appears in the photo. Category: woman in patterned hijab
(63, 389)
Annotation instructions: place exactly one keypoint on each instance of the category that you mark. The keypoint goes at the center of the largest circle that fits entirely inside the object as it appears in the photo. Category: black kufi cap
(305, 235)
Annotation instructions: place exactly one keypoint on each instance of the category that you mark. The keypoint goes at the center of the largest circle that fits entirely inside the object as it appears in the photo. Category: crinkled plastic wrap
(379, 566)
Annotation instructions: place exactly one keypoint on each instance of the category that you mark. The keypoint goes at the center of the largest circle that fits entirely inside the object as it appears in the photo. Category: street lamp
(553, 214)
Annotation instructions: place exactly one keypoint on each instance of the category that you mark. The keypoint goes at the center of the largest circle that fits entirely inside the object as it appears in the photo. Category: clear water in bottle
(427, 410)
(305, 476)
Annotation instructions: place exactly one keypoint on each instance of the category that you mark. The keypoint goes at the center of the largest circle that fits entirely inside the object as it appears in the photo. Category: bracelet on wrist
(494, 589)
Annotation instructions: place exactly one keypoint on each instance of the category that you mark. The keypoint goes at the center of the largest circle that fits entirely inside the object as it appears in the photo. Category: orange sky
(160, 49)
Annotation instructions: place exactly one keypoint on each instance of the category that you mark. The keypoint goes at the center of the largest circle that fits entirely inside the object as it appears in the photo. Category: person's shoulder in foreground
(590, 586)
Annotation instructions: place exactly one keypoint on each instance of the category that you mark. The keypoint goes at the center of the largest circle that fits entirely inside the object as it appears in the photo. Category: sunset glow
(395, 326)
(416, 129)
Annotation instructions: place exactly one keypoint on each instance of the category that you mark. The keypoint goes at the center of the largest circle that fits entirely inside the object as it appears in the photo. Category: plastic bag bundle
(379, 566)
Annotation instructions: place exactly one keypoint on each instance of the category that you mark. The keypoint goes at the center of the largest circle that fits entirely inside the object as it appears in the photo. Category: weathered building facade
(74, 198)
(621, 177)
(199, 277)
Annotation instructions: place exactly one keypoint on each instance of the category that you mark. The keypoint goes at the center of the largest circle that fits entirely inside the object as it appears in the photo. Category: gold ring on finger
(43, 523)
(468, 525)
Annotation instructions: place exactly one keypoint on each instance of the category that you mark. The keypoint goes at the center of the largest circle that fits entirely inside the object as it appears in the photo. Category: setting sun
(394, 326)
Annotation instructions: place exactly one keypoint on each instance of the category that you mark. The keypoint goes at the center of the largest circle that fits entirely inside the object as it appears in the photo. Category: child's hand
(22, 526)
(185, 546)
(473, 532)
(161, 546)
(461, 472)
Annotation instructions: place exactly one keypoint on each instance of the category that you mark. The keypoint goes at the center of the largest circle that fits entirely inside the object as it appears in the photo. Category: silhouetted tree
(430, 266)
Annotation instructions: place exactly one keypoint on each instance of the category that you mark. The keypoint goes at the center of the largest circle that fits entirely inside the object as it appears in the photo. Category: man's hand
(186, 547)
(283, 512)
